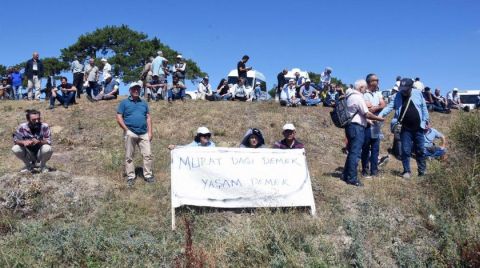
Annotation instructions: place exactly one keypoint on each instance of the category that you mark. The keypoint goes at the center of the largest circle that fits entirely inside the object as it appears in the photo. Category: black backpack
(340, 115)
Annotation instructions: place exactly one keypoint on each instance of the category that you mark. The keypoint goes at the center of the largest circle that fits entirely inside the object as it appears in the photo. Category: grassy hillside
(84, 215)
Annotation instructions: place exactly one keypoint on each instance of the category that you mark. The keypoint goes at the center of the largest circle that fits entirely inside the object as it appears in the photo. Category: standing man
(281, 81)
(16, 78)
(34, 74)
(107, 69)
(133, 116)
(355, 131)
(411, 117)
(91, 76)
(180, 69)
(325, 77)
(65, 94)
(158, 66)
(33, 142)
(242, 69)
(373, 132)
(77, 70)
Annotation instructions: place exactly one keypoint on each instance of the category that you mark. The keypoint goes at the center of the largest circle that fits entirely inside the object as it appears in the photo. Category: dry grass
(383, 224)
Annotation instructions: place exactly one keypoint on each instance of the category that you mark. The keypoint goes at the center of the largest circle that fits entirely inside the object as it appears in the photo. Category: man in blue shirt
(411, 114)
(431, 149)
(133, 116)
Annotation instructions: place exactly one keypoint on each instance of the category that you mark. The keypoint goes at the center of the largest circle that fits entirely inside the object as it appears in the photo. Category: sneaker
(90, 98)
(65, 106)
(44, 170)
(406, 175)
(421, 174)
(26, 169)
(150, 179)
(365, 175)
(50, 107)
(356, 184)
(383, 160)
(130, 182)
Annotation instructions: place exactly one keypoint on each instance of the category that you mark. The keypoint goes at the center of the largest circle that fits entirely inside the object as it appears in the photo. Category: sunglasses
(205, 135)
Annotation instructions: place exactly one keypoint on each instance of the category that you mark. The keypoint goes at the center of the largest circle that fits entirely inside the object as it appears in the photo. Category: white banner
(240, 178)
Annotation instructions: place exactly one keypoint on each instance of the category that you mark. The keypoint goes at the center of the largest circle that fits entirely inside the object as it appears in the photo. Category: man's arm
(149, 127)
(120, 122)
(389, 108)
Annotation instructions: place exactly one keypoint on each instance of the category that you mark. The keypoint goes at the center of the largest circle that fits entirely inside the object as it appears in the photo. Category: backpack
(340, 115)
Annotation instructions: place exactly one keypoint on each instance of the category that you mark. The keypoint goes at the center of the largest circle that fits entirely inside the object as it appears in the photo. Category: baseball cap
(134, 84)
(103, 60)
(288, 127)
(179, 56)
(106, 76)
(206, 78)
(203, 130)
(307, 81)
(455, 89)
(405, 84)
(291, 80)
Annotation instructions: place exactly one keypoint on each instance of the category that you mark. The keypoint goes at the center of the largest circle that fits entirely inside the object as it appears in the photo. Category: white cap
(159, 53)
(257, 83)
(288, 127)
(329, 69)
(140, 82)
(203, 130)
(455, 89)
(291, 80)
(179, 56)
(307, 81)
(206, 78)
(106, 76)
(134, 84)
(103, 60)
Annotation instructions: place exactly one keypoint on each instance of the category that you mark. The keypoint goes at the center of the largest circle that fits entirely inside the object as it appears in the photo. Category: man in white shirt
(288, 96)
(107, 69)
(355, 131)
(204, 89)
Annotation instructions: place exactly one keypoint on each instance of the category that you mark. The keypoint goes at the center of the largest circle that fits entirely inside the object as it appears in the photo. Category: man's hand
(27, 142)
(150, 136)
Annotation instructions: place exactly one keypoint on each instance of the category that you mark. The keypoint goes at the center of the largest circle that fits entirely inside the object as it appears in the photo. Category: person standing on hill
(281, 81)
(242, 69)
(180, 69)
(410, 120)
(107, 69)
(373, 132)
(77, 70)
(133, 116)
(34, 74)
(91, 77)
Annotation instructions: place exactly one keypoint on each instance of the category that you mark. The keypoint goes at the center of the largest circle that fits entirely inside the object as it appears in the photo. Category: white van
(469, 98)
(253, 76)
(291, 74)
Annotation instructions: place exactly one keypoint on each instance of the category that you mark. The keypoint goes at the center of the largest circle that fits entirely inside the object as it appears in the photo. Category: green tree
(315, 78)
(127, 50)
(3, 70)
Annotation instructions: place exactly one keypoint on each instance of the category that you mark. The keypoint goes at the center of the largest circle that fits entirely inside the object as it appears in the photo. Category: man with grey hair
(180, 69)
(77, 71)
(158, 66)
(34, 73)
(355, 131)
(325, 77)
(91, 77)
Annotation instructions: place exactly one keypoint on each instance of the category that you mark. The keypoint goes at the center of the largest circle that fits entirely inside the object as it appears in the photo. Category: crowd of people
(366, 109)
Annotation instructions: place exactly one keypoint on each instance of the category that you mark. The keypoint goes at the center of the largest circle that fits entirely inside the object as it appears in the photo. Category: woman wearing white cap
(202, 139)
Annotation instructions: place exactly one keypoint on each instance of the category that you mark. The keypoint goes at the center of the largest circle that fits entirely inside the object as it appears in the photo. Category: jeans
(180, 95)
(413, 140)
(370, 151)
(227, 96)
(16, 92)
(92, 88)
(311, 102)
(435, 152)
(355, 136)
(67, 99)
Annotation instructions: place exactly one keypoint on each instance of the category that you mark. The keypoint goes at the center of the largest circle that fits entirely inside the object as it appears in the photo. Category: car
(469, 98)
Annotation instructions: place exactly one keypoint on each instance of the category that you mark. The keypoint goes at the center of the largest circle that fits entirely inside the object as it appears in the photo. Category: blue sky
(436, 40)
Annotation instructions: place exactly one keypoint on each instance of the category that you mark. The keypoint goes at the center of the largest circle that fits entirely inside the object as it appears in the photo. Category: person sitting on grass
(109, 89)
(253, 138)
(176, 90)
(240, 91)
(5, 89)
(431, 149)
(154, 88)
(64, 93)
(223, 90)
(289, 141)
(453, 99)
(202, 139)
(288, 96)
(309, 95)
(33, 141)
(331, 96)
(204, 90)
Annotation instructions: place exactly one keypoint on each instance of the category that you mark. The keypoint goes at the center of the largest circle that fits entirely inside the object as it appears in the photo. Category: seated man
(253, 138)
(240, 92)
(288, 96)
(5, 89)
(32, 142)
(109, 89)
(202, 139)
(431, 149)
(204, 90)
(176, 90)
(309, 95)
(289, 141)
(64, 93)
(453, 99)
(331, 97)
(439, 102)
(154, 88)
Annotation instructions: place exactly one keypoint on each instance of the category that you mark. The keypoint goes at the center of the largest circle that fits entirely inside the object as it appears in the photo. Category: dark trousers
(370, 151)
(413, 140)
(355, 135)
(78, 83)
(92, 88)
(67, 99)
